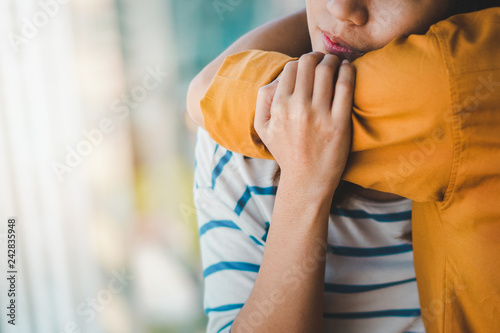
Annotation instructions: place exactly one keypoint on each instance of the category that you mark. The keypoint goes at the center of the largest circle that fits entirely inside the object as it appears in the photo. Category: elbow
(196, 91)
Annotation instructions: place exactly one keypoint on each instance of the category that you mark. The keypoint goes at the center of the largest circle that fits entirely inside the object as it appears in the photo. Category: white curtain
(47, 101)
(95, 164)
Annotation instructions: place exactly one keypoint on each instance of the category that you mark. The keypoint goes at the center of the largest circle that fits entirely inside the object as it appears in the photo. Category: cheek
(404, 17)
(399, 19)
(389, 20)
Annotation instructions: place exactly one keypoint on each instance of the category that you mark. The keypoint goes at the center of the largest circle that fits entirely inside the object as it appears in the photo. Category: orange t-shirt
(426, 126)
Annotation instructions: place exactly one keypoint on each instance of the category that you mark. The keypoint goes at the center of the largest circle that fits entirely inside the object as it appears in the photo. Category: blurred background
(96, 158)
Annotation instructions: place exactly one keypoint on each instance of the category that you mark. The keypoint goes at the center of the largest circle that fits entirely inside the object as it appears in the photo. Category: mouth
(337, 46)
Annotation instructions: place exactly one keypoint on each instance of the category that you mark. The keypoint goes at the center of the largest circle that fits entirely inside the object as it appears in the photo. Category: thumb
(263, 106)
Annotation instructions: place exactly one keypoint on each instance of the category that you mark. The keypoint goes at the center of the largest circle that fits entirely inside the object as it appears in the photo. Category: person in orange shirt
(425, 126)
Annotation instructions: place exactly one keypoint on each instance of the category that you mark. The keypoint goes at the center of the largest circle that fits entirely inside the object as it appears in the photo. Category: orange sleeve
(228, 106)
(426, 125)
(403, 128)
(402, 142)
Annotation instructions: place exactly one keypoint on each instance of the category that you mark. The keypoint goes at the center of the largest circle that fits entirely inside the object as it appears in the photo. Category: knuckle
(304, 116)
(278, 110)
(291, 65)
(277, 107)
(302, 120)
(321, 105)
(299, 103)
(332, 58)
(345, 85)
(309, 59)
(277, 103)
(333, 61)
(340, 129)
(342, 135)
(261, 91)
(333, 131)
(325, 68)
(348, 72)
(265, 90)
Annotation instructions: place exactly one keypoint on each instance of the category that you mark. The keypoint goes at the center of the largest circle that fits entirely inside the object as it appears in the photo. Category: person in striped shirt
(332, 268)
(369, 281)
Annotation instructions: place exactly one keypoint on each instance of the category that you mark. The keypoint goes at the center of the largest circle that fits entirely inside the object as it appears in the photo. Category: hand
(304, 119)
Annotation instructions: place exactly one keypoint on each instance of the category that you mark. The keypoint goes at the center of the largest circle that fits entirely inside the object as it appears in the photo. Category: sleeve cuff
(228, 107)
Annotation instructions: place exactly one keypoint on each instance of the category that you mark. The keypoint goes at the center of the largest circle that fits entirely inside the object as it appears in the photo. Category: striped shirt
(370, 283)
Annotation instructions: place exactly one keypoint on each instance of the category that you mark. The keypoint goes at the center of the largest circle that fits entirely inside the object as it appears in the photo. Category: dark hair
(467, 6)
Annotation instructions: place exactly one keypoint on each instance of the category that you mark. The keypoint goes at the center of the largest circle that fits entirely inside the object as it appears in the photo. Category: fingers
(287, 80)
(265, 98)
(263, 107)
(324, 82)
(305, 75)
(344, 92)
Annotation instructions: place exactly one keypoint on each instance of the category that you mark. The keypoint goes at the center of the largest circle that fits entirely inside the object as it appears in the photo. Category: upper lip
(340, 41)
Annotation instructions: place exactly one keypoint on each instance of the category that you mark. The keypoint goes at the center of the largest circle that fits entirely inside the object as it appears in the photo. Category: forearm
(288, 291)
(288, 35)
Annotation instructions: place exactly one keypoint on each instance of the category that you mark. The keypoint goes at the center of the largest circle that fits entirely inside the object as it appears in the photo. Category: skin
(293, 265)
(304, 120)
(367, 25)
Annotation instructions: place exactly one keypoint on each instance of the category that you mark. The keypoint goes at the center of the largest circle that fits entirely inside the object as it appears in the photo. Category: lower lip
(339, 50)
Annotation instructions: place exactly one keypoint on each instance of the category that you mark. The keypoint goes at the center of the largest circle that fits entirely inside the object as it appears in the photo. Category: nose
(353, 11)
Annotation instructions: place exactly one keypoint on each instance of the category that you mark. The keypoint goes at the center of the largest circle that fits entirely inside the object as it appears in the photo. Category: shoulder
(230, 186)
(469, 42)
(216, 166)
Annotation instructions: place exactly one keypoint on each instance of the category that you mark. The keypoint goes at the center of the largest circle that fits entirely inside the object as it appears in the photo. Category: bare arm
(310, 141)
(291, 277)
(288, 35)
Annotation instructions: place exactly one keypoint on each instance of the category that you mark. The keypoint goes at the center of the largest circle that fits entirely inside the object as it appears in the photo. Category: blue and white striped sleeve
(230, 253)
(230, 258)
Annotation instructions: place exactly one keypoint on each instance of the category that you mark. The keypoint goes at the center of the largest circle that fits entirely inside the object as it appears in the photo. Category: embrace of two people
(347, 177)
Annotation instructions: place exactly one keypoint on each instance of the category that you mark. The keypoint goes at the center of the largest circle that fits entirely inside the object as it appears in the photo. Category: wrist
(315, 189)
(305, 208)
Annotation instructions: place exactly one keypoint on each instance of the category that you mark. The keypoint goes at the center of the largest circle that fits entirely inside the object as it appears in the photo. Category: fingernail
(345, 61)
